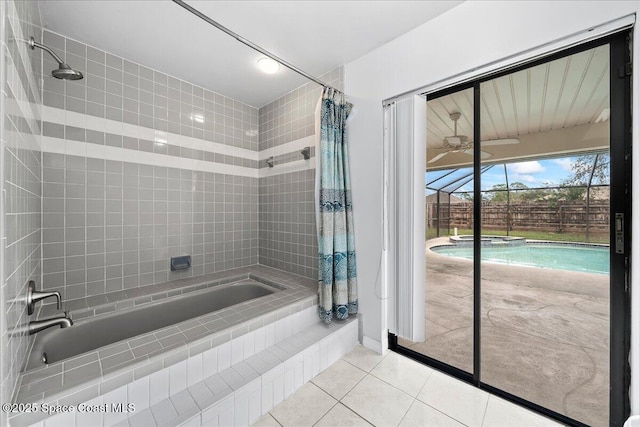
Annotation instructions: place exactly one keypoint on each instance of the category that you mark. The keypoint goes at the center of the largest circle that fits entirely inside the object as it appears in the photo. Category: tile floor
(365, 388)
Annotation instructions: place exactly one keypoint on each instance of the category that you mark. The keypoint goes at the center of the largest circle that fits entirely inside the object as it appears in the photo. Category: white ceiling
(534, 105)
(316, 36)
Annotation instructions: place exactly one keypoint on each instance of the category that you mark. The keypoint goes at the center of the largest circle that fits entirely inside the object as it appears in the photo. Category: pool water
(590, 259)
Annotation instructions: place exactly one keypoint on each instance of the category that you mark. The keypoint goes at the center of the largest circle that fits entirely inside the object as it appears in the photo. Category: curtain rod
(251, 44)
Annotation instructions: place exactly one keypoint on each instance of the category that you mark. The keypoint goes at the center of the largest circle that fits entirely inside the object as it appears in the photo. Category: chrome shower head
(64, 71)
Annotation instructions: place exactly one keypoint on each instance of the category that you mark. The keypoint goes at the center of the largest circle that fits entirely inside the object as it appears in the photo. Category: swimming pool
(586, 258)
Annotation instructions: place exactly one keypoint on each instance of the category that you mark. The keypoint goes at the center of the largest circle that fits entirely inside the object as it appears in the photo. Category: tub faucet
(38, 325)
(34, 296)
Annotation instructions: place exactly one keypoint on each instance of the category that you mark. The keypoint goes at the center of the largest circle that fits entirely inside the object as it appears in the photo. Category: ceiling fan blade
(483, 154)
(503, 141)
(438, 157)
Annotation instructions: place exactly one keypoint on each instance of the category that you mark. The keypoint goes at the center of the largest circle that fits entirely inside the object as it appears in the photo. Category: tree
(572, 194)
(466, 196)
(582, 167)
(497, 194)
(518, 192)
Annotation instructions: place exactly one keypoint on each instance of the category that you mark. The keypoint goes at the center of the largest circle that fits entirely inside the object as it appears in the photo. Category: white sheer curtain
(404, 215)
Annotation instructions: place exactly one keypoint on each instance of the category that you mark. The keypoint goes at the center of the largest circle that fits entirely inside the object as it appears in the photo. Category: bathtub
(56, 344)
(210, 322)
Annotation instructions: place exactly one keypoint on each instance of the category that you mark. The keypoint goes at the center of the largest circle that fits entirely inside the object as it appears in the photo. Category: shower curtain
(337, 285)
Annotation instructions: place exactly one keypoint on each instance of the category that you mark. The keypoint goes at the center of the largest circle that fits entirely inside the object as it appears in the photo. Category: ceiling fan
(461, 143)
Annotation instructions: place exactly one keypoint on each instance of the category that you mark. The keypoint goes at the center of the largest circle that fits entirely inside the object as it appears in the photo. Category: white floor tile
(363, 358)
(460, 401)
(378, 402)
(339, 379)
(420, 415)
(304, 408)
(403, 373)
(142, 419)
(342, 416)
(383, 397)
(266, 421)
(193, 422)
(502, 413)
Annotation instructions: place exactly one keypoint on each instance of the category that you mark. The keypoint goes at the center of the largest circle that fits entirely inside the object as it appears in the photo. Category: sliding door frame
(620, 213)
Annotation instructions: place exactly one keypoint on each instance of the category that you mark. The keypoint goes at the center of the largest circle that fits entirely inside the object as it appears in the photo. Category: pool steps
(231, 384)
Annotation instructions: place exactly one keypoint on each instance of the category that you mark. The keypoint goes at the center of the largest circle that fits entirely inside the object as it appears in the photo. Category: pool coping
(451, 244)
(112, 366)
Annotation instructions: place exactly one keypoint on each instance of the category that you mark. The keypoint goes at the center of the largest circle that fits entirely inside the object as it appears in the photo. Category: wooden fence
(534, 216)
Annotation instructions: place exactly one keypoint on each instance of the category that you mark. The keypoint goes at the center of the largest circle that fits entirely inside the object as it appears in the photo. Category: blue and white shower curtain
(337, 287)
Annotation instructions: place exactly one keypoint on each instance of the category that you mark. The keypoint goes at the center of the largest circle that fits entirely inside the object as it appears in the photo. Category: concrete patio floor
(545, 333)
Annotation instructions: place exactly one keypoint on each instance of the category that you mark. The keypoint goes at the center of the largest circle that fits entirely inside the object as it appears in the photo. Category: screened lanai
(571, 203)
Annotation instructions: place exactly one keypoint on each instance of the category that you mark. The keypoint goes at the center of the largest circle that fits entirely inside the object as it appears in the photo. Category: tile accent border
(77, 134)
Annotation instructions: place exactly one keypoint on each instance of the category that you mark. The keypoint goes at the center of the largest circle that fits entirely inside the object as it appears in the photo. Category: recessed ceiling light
(268, 65)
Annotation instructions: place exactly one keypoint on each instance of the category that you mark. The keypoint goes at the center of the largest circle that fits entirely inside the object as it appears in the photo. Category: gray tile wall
(102, 233)
(124, 91)
(113, 225)
(292, 116)
(287, 225)
(21, 185)
(110, 226)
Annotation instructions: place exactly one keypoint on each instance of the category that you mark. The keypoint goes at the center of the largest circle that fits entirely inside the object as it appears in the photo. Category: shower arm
(34, 44)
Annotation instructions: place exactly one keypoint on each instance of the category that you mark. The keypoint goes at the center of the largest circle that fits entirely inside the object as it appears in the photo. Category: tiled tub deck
(185, 350)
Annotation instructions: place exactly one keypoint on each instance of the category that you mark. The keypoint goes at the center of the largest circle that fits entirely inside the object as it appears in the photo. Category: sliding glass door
(527, 237)
(545, 235)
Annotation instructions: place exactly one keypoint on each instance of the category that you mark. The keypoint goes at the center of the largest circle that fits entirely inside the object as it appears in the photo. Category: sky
(534, 173)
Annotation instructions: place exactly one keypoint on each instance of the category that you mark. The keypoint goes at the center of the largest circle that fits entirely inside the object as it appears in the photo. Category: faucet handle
(67, 315)
(31, 288)
(34, 296)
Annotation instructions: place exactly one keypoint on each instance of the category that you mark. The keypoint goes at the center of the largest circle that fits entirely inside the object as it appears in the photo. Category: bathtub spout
(39, 325)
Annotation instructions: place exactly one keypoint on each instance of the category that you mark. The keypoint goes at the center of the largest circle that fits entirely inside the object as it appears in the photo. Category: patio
(545, 333)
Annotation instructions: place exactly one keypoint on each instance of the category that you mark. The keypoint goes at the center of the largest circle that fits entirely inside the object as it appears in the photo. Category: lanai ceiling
(554, 108)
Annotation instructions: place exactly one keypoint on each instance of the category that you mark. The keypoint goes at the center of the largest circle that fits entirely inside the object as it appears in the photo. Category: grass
(534, 235)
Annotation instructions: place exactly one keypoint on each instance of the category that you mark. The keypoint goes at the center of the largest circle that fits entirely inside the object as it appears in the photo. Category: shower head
(64, 71)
